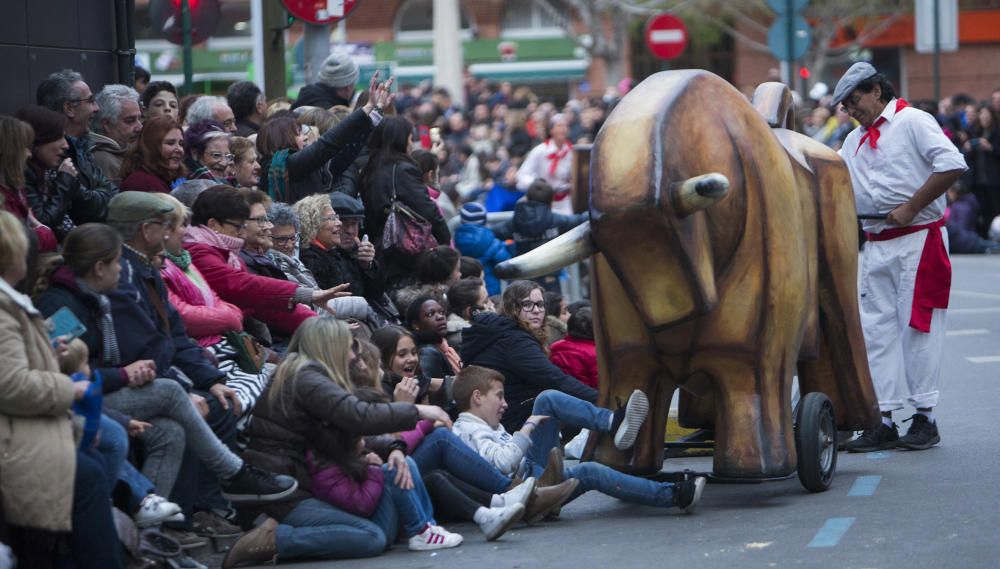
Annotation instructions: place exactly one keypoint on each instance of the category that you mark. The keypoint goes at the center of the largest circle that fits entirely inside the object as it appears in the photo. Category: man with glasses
(115, 127)
(901, 164)
(249, 106)
(209, 108)
(66, 92)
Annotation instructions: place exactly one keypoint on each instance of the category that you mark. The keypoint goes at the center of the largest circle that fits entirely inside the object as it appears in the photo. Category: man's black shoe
(922, 434)
(871, 440)
(255, 485)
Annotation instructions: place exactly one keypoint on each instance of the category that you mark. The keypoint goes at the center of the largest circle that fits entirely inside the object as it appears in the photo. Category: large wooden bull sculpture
(724, 258)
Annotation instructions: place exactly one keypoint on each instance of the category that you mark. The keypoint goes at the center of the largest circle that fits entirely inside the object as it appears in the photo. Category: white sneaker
(499, 520)
(521, 494)
(627, 421)
(154, 510)
(434, 537)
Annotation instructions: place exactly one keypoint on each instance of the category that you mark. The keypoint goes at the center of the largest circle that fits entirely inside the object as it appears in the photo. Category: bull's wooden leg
(626, 362)
(753, 425)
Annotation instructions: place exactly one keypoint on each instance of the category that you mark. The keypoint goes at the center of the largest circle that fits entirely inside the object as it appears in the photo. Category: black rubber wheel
(816, 441)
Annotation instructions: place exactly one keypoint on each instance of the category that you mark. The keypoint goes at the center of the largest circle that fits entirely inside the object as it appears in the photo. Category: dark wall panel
(54, 23)
(16, 90)
(14, 21)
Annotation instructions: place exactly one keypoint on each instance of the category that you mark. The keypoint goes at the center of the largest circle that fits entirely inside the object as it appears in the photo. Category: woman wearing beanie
(476, 240)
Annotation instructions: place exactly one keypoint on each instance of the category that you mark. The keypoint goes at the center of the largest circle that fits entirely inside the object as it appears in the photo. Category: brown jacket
(37, 450)
(313, 404)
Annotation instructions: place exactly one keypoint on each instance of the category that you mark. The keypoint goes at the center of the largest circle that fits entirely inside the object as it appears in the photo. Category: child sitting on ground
(479, 395)
(576, 354)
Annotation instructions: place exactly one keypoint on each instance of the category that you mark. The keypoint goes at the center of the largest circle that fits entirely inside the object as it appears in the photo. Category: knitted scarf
(206, 236)
(110, 354)
(277, 177)
(182, 260)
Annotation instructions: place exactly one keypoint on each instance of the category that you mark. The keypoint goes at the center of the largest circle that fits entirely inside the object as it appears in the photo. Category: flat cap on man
(850, 81)
(136, 206)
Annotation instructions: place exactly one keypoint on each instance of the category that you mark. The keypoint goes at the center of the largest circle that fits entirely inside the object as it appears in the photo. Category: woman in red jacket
(214, 240)
(576, 354)
(157, 159)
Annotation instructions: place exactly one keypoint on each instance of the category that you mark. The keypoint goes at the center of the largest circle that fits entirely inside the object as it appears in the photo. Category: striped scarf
(110, 354)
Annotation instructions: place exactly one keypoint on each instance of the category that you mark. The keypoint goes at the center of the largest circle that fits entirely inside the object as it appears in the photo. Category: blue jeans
(138, 485)
(94, 540)
(592, 475)
(413, 508)
(113, 446)
(442, 449)
(317, 530)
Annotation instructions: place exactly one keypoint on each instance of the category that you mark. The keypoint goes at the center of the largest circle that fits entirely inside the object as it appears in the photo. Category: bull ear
(698, 192)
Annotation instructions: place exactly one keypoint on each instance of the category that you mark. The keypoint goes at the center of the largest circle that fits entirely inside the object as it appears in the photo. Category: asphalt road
(895, 509)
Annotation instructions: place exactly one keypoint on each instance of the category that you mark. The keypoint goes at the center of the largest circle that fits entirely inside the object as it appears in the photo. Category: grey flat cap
(137, 206)
(850, 81)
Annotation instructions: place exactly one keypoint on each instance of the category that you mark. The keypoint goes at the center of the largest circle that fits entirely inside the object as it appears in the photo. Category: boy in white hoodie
(479, 396)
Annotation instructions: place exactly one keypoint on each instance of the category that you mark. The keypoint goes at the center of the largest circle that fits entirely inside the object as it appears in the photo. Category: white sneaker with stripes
(434, 537)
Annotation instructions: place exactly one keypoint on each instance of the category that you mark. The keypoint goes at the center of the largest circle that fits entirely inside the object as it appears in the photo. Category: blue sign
(777, 37)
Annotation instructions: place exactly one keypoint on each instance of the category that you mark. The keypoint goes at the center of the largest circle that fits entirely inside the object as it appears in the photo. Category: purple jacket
(961, 224)
(335, 487)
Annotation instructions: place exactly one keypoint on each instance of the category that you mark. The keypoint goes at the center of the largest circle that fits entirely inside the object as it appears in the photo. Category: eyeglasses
(853, 101)
(89, 100)
(329, 218)
(229, 122)
(221, 156)
(262, 220)
(527, 305)
(240, 226)
(305, 130)
(285, 238)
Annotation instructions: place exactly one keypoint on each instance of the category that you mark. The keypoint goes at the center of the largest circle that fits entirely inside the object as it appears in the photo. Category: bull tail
(570, 247)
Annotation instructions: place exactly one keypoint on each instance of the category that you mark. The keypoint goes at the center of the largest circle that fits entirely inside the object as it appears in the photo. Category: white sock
(887, 421)
(498, 501)
(928, 414)
(482, 515)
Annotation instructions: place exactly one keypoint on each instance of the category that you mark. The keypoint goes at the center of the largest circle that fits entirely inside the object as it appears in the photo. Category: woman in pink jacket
(206, 317)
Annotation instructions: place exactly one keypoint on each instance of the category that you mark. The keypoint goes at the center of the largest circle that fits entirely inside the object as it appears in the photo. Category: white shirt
(911, 147)
(501, 449)
(537, 165)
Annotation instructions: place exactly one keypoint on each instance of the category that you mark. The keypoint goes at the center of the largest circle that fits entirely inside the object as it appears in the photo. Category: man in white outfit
(901, 164)
(551, 161)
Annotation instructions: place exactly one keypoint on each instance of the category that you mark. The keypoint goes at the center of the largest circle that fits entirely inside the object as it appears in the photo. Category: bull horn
(699, 192)
(570, 247)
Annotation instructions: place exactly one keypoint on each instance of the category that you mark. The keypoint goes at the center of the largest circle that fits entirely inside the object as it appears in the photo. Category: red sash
(933, 284)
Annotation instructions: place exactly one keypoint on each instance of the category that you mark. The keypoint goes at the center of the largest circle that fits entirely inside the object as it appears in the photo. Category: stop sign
(319, 11)
(666, 36)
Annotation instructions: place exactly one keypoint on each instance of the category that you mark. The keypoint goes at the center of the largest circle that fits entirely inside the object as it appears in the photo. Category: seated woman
(215, 238)
(285, 241)
(465, 298)
(513, 343)
(92, 254)
(308, 404)
(16, 137)
(246, 167)
(156, 161)
(51, 181)
(207, 318)
(48, 487)
(207, 153)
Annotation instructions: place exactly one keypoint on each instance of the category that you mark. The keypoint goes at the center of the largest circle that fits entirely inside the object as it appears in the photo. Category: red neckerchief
(872, 133)
(318, 245)
(556, 156)
(932, 288)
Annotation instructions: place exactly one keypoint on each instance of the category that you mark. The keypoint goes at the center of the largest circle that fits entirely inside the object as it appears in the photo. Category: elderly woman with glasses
(208, 154)
(284, 244)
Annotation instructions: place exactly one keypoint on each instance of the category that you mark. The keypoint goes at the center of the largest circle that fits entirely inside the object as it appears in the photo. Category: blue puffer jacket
(479, 242)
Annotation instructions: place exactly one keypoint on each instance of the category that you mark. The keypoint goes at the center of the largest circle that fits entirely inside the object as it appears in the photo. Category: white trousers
(896, 351)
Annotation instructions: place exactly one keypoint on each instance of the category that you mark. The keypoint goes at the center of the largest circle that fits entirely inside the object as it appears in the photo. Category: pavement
(894, 509)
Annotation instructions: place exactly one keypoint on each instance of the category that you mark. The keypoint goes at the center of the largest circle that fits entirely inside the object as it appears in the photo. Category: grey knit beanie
(339, 70)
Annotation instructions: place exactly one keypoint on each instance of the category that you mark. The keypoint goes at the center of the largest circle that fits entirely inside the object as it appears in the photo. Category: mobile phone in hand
(64, 323)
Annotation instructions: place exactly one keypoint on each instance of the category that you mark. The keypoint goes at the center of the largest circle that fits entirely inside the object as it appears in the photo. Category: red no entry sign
(319, 11)
(666, 36)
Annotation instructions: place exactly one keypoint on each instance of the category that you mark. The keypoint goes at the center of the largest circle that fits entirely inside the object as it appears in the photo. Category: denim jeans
(317, 530)
(442, 449)
(413, 507)
(113, 446)
(94, 539)
(592, 475)
(138, 485)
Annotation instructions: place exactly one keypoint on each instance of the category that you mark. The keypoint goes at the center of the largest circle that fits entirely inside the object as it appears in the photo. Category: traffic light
(167, 17)
(804, 72)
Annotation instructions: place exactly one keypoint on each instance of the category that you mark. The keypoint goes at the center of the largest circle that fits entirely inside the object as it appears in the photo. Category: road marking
(967, 332)
(879, 455)
(865, 485)
(975, 294)
(973, 310)
(832, 531)
(984, 359)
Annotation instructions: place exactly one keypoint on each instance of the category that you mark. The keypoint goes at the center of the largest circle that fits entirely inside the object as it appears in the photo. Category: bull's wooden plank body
(729, 300)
